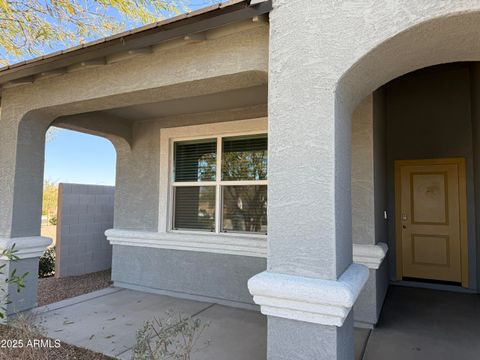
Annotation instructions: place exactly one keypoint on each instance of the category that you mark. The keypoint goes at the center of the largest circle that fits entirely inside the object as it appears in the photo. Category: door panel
(430, 250)
(429, 195)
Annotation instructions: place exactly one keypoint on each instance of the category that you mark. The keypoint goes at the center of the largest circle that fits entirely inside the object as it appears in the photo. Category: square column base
(26, 298)
(291, 339)
(28, 251)
(369, 303)
(309, 318)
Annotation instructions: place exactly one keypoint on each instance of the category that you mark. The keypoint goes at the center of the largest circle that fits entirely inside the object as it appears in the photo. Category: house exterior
(349, 130)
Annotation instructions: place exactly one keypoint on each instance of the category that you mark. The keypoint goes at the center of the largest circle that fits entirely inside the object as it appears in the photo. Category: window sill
(232, 244)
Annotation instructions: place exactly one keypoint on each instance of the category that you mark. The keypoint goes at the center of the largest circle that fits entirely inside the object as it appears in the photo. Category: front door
(431, 219)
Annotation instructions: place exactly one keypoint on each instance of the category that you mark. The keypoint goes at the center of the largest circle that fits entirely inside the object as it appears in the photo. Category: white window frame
(169, 136)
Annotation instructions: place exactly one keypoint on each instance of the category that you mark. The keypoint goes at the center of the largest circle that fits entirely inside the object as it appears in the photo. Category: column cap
(26, 247)
(371, 256)
(320, 301)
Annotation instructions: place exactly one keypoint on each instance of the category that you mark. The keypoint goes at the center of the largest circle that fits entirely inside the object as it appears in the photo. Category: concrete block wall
(84, 213)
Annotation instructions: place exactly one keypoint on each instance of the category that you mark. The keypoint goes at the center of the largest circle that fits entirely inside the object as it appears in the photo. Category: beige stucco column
(22, 141)
(310, 285)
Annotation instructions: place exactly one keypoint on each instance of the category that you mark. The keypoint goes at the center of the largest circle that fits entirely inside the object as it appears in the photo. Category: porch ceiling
(233, 99)
(116, 123)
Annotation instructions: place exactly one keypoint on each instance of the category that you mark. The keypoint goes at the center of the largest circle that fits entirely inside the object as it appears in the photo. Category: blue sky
(80, 158)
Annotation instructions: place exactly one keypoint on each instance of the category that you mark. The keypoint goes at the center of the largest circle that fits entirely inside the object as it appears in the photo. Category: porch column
(310, 284)
(22, 143)
(369, 203)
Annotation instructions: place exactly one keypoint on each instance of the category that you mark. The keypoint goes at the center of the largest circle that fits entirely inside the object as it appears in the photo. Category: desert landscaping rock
(54, 289)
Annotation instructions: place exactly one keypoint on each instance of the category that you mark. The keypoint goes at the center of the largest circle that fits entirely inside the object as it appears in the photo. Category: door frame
(462, 194)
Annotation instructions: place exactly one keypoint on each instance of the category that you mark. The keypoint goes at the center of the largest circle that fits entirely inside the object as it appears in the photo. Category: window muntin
(223, 190)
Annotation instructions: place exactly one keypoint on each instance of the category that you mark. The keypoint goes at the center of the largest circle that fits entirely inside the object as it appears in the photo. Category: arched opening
(414, 100)
(202, 96)
(135, 133)
(425, 115)
(77, 209)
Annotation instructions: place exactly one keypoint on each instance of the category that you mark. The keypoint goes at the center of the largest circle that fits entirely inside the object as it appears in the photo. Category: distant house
(293, 156)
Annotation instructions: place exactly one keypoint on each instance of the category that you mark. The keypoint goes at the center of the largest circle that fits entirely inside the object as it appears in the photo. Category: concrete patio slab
(106, 321)
(227, 326)
(420, 324)
(233, 334)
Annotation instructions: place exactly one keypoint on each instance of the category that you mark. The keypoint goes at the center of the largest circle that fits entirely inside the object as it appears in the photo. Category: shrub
(53, 220)
(174, 338)
(46, 266)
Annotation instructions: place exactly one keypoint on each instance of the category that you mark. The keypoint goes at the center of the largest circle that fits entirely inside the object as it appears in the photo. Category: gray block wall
(84, 213)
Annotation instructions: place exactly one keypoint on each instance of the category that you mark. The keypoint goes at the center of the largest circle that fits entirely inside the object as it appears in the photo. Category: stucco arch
(381, 56)
(447, 38)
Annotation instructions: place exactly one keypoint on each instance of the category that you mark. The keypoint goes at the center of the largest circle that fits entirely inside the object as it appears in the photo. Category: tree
(50, 198)
(30, 27)
(51, 133)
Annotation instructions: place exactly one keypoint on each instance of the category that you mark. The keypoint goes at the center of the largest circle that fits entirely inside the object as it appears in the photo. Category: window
(220, 184)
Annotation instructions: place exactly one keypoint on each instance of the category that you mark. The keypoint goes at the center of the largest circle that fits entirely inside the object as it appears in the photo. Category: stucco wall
(367, 309)
(136, 196)
(363, 197)
(84, 213)
(138, 176)
(369, 198)
(222, 277)
(186, 273)
(369, 170)
(429, 116)
(380, 164)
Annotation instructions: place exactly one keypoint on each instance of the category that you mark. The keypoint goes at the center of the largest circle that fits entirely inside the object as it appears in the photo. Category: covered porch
(106, 321)
(414, 324)
(335, 238)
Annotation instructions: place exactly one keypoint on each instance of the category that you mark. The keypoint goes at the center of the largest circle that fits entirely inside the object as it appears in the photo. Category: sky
(75, 157)
(79, 158)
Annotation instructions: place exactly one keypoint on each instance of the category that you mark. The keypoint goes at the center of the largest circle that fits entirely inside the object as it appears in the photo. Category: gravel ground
(52, 289)
(19, 343)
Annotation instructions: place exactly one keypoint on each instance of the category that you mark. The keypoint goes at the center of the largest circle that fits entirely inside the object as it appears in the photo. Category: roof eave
(177, 27)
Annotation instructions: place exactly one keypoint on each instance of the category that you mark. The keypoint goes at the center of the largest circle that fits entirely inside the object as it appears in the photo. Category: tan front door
(431, 219)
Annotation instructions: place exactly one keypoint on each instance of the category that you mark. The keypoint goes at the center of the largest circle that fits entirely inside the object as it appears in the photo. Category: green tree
(28, 27)
(50, 198)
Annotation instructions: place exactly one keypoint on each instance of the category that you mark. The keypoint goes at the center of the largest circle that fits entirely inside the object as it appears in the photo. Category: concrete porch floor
(421, 324)
(106, 321)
